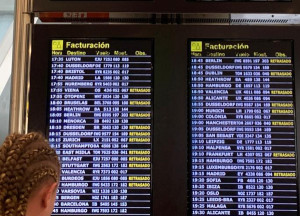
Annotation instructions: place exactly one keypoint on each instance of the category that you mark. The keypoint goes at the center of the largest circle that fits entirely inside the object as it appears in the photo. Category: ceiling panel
(6, 5)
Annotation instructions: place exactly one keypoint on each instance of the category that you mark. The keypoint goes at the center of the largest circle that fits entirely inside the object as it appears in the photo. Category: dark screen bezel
(170, 129)
(161, 6)
(38, 100)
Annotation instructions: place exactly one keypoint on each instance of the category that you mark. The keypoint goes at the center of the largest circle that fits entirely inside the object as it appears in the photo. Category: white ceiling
(7, 5)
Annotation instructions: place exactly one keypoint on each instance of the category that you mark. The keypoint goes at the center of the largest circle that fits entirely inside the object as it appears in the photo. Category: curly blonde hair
(26, 162)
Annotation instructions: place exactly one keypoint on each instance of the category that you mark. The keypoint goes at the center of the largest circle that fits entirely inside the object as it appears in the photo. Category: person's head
(29, 175)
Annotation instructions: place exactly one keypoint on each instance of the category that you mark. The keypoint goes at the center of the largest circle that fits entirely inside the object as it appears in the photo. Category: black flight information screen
(242, 128)
(100, 122)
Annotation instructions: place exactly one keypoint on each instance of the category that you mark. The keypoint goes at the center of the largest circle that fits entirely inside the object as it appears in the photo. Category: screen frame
(163, 101)
(170, 129)
(157, 6)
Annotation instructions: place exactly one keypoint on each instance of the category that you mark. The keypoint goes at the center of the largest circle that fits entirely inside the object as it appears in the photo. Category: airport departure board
(242, 128)
(100, 122)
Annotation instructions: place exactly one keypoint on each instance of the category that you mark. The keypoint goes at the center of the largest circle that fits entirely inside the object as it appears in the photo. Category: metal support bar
(265, 19)
(23, 19)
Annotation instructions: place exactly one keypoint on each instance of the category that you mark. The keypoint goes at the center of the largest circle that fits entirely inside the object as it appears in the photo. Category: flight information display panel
(242, 128)
(100, 122)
